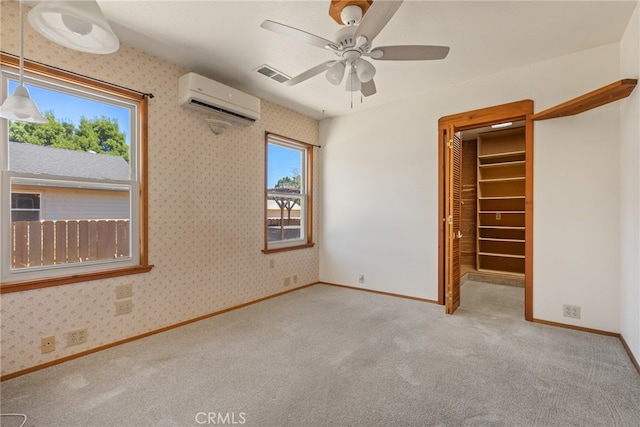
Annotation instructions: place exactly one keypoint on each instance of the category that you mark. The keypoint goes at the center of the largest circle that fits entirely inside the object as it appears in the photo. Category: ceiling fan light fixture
(365, 70)
(335, 73)
(353, 82)
(78, 25)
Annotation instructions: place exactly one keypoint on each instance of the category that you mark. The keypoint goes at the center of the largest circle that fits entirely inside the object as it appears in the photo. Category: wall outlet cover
(48, 344)
(124, 291)
(571, 311)
(79, 336)
(124, 306)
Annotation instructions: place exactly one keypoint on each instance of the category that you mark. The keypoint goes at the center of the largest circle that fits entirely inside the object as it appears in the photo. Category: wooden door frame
(515, 111)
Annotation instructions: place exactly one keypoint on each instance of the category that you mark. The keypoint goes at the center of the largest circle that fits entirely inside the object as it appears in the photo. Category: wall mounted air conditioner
(219, 101)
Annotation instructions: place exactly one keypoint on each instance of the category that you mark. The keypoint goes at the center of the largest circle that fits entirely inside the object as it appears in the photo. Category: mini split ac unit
(225, 104)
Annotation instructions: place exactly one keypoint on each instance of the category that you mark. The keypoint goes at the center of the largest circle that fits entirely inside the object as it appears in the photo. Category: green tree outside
(99, 134)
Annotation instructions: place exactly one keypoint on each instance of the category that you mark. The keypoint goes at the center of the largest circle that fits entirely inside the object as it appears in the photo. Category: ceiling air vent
(272, 73)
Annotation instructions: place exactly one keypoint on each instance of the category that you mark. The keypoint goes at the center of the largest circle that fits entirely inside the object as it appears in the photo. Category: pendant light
(78, 25)
(353, 82)
(365, 70)
(20, 106)
(336, 73)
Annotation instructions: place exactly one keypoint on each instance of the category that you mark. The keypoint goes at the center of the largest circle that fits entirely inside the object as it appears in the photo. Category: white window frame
(305, 195)
(44, 276)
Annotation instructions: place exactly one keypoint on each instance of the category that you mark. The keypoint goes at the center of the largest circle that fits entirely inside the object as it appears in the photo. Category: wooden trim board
(610, 93)
(389, 294)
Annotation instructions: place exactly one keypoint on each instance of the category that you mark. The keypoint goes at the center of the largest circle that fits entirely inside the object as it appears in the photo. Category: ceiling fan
(362, 20)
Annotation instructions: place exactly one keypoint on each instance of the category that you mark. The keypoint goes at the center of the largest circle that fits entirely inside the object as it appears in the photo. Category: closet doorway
(486, 200)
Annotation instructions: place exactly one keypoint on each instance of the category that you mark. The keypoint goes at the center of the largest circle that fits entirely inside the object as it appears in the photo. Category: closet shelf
(501, 178)
(502, 164)
(513, 178)
(500, 197)
(499, 155)
(501, 255)
(610, 93)
(495, 239)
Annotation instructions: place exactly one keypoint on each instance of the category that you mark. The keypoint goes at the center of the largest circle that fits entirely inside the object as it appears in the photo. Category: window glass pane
(83, 138)
(286, 198)
(25, 201)
(283, 218)
(25, 206)
(285, 167)
(74, 225)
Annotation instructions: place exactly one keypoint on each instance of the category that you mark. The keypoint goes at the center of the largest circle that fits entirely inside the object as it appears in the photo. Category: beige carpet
(327, 356)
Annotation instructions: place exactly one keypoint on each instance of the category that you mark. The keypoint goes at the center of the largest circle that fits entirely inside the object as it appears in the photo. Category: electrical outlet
(48, 344)
(287, 281)
(295, 279)
(361, 278)
(79, 336)
(498, 216)
(124, 291)
(124, 306)
(572, 311)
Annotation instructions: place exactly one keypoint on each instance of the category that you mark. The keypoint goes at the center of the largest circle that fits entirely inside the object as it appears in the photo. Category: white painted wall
(388, 157)
(576, 193)
(630, 190)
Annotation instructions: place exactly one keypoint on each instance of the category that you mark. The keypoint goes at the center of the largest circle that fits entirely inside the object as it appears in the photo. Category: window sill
(288, 248)
(28, 285)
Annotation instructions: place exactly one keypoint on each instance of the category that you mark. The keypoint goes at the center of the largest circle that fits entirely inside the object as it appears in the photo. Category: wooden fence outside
(276, 222)
(36, 243)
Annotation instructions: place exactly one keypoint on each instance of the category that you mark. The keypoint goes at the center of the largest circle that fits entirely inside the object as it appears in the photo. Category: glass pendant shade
(335, 73)
(353, 82)
(78, 25)
(20, 106)
(365, 70)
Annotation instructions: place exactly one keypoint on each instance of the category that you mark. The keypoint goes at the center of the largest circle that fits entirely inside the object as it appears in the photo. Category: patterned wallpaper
(205, 216)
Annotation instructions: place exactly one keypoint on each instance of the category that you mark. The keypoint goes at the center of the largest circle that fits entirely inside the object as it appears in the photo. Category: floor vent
(272, 73)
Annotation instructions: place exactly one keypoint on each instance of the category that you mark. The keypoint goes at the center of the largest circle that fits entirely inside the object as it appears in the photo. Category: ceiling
(223, 40)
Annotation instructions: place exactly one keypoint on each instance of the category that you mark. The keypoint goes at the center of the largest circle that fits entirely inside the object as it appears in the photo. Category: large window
(73, 201)
(288, 198)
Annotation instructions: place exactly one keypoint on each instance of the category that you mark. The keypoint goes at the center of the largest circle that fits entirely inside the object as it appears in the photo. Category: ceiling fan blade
(310, 73)
(297, 34)
(380, 12)
(409, 53)
(368, 88)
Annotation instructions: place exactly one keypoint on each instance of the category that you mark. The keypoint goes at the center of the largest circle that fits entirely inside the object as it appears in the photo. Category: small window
(73, 182)
(25, 207)
(288, 207)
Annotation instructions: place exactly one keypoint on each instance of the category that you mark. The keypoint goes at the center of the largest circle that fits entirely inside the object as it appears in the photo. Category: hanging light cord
(144, 94)
(21, 47)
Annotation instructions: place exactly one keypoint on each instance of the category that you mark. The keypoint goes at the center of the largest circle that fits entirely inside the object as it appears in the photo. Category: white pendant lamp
(365, 70)
(20, 106)
(353, 82)
(78, 25)
(336, 73)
